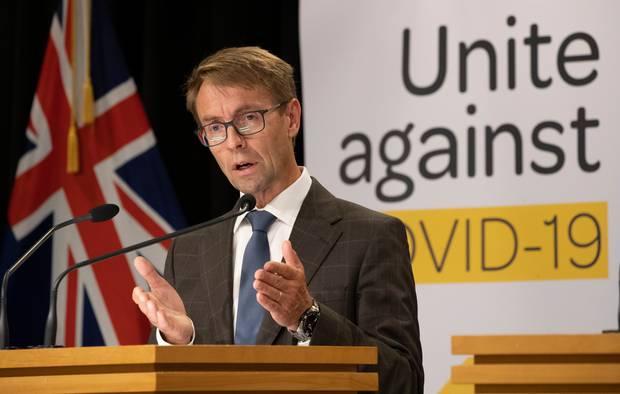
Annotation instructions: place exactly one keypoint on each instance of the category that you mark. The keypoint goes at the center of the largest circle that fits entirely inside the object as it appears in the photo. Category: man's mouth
(243, 165)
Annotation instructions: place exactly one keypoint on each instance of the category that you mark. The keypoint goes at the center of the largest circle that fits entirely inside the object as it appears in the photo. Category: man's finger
(145, 311)
(270, 291)
(270, 305)
(137, 295)
(148, 272)
(276, 272)
(143, 306)
(152, 310)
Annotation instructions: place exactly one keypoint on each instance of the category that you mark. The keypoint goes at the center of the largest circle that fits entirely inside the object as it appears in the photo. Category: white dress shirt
(285, 207)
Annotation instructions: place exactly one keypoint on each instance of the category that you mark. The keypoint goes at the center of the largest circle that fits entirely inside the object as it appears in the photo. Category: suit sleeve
(385, 311)
(169, 276)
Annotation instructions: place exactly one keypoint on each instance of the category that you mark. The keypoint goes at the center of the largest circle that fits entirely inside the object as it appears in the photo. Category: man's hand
(162, 305)
(281, 288)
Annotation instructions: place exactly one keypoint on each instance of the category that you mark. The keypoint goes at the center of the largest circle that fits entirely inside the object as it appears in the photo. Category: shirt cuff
(162, 342)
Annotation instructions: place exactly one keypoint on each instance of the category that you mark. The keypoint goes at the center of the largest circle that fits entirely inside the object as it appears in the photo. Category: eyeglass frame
(262, 113)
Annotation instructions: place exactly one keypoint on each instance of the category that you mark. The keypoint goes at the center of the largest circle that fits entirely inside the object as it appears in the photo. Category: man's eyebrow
(240, 110)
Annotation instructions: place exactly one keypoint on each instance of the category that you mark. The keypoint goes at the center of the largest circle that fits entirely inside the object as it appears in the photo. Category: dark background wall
(161, 41)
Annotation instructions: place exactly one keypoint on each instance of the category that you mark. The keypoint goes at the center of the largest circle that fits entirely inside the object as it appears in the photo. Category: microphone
(246, 203)
(98, 214)
(102, 213)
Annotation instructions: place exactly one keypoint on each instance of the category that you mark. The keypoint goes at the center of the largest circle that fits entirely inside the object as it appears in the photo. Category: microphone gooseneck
(97, 214)
(246, 203)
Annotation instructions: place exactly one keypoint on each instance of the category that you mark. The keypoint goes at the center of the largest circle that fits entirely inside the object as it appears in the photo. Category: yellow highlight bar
(517, 243)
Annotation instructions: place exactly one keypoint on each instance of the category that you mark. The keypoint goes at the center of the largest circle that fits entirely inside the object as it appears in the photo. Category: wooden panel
(267, 354)
(149, 368)
(113, 355)
(548, 388)
(193, 381)
(271, 381)
(537, 374)
(93, 369)
(201, 354)
(547, 359)
(537, 344)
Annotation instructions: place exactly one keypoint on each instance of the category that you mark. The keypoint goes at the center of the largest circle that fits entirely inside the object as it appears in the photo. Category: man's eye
(215, 128)
(250, 116)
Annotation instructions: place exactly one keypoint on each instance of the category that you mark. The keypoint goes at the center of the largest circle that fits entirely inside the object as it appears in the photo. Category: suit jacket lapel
(314, 234)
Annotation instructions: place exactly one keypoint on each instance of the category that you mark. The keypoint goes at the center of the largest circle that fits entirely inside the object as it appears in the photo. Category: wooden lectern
(540, 363)
(149, 368)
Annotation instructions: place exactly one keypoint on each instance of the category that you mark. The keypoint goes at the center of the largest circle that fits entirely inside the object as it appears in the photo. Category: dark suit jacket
(357, 268)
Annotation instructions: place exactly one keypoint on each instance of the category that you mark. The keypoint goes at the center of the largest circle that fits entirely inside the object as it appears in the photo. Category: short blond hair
(248, 67)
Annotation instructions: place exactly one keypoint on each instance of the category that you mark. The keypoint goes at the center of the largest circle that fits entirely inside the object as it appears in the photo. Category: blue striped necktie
(249, 312)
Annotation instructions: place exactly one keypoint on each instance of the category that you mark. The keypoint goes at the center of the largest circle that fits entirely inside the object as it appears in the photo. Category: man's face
(261, 164)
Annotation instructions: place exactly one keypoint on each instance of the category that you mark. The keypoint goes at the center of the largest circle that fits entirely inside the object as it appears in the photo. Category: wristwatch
(307, 322)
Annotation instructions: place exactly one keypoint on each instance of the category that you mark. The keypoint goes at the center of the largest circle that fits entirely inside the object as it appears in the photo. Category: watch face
(310, 319)
(307, 323)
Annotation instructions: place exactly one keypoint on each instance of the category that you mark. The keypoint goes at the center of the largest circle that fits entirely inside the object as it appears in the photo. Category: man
(334, 273)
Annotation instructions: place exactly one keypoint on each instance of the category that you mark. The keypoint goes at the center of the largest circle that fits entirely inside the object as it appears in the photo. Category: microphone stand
(4, 324)
(246, 203)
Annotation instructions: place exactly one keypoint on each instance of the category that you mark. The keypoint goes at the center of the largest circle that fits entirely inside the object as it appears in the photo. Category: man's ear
(294, 117)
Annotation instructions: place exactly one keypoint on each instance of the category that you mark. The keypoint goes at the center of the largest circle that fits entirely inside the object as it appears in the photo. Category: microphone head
(103, 212)
(247, 202)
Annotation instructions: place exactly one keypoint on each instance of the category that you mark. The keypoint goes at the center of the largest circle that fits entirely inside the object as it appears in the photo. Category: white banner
(492, 129)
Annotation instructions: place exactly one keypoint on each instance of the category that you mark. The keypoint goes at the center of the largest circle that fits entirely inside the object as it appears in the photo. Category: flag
(88, 143)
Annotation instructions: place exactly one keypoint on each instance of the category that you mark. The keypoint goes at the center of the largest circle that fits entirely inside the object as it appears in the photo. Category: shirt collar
(286, 205)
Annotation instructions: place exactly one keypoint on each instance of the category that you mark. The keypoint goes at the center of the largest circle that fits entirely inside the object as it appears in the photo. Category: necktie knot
(260, 220)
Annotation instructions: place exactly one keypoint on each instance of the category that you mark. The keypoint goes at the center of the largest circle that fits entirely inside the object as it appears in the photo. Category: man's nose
(234, 139)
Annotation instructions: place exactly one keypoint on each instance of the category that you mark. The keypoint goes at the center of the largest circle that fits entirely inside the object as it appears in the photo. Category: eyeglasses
(246, 123)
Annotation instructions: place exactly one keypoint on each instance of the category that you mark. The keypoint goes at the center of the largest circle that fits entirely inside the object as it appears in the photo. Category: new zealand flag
(88, 142)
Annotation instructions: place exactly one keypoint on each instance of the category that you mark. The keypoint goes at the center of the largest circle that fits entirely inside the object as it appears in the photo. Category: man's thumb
(290, 255)
(147, 271)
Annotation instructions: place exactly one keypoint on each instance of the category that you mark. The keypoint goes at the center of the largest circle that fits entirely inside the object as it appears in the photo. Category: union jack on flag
(88, 142)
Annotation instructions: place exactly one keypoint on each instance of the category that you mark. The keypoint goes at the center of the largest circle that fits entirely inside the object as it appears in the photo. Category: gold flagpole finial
(73, 149)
